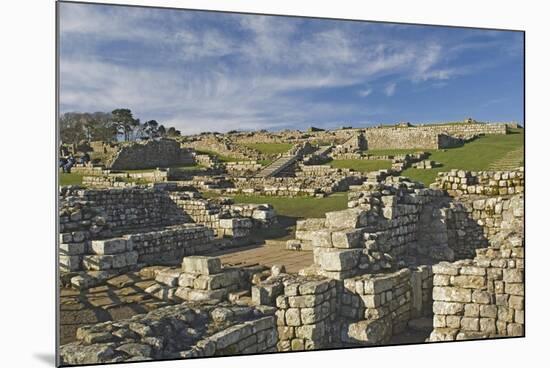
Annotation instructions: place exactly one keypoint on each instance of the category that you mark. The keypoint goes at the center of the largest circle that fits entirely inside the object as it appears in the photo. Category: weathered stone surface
(339, 260)
(367, 332)
(346, 219)
(201, 265)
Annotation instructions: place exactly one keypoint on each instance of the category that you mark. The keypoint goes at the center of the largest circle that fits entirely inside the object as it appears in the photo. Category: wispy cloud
(365, 92)
(209, 71)
(389, 90)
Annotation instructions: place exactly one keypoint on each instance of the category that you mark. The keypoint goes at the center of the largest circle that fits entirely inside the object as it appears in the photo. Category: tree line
(76, 127)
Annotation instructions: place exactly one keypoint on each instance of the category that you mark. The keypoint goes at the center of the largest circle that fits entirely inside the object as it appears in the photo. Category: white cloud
(201, 76)
(389, 90)
(365, 92)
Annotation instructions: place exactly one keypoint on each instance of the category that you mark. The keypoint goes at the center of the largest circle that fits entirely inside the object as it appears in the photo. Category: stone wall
(306, 311)
(483, 297)
(150, 154)
(242, 168)
(301, 185)
(119, 228)
(428, 136)
(460, 182)
(376, 306)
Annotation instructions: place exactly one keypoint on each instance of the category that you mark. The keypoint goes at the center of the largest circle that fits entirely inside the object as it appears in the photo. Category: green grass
(70, 179)
(220, 157)
(265, 162)
(393, 152)
(476, 156)
(361, 165)
(297, 207)
(269, 148)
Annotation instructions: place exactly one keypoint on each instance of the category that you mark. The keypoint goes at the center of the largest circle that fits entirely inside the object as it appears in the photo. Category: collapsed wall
(377, 267)
(178, 331)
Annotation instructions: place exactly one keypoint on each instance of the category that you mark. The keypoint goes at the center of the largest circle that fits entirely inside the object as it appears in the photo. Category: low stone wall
(461, 182)
(428, 136)
(295, 186)
(150, 154)
(126, 252)
(483, 297)
(242, 168)
(88, 170)
(178, 331)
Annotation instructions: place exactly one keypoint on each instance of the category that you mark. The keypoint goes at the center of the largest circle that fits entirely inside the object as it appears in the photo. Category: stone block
(377, 284)
(346, 219)
(292, 317)
(513, 275)
(69, 263)
(201, 265)
(469, 324)
(168, 277)
(310, 224)
(109, 246)
(72, 249)
(321, 238)
(313, 287)
(338, 260)
(445, 268)
(469, 282)
(448, 308)
(367, 332)
(311, 332)
(347, 238)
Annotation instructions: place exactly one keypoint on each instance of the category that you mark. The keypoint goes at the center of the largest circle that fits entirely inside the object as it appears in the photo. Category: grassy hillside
(484, 153)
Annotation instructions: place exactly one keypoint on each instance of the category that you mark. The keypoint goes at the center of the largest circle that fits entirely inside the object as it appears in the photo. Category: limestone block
(452, 294)
(338, 260)
(69, 263)
(313, 287)
(448, 308)
(201, 265)
(292, 317)
(347, 239)
(346, 219)
(367, 332)
(311, 332)
(217, 281)
(377, 284)
(515, 289)
(471, 282)
(109, 246)
(443, 334)
(512, 275)
(168, 277)
(310, 224)
(469, 324)
(321, 238)
(72, 249)
(200, 295)
(445, 268)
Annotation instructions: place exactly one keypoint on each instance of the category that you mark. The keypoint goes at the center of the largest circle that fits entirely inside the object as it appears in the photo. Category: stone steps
(277, 166)
(511, 160)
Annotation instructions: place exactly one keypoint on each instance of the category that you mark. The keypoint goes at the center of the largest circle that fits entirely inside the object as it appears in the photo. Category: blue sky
(204, 71)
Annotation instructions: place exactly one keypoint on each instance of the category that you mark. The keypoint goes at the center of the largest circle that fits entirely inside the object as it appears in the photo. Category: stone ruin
(400, 256)
(444, 262)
